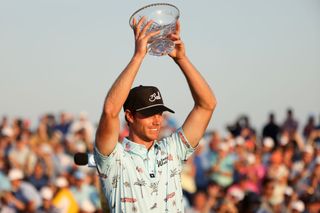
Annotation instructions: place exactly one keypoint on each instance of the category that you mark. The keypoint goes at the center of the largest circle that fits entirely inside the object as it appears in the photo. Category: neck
(138, 140)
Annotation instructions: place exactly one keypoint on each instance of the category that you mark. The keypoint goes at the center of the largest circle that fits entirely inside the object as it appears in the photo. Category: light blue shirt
(137, 180)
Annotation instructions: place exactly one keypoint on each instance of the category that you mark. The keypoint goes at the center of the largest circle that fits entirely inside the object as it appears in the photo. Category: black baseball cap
(146, 100)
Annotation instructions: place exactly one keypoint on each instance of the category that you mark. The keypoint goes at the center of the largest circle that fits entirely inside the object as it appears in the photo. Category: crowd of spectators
(276, 169)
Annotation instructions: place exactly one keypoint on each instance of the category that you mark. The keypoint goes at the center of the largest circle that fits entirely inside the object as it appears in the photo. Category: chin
(154, 137)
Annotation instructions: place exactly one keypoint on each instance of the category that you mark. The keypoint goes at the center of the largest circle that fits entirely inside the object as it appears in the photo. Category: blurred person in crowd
(148, 185)
(290, 124)
(17, 127)
(297, 206)
(243, 122)
(188, 182)
(41, 135)
(4, 123)
(234, 129)
(296, 141)
(202, 165)
(64, 124)
(266, 150)
(10, 204)
(303, 168)
(212, 151)
(222, 166)
(5, 183)
(63, 197)
(252, 173)
(83, 191)
(280, 174)
(215, 196)
(289, 158)
(87, 207)
(41, 154)
(200, 204)
(250, 139)
(27, 198)
(267, 205)
(51, 123)
(6, 143)
(309, 186)
(62, 161)
(313, 206)
(169, 125)
(18, 154)
(314, 137)
(309, 126)
(83, 124)
(289, 197)
(250, 203)
(80, 138)
(239, 154)
(47, 206)
(232, 201)
(39, 178)
(272, 130)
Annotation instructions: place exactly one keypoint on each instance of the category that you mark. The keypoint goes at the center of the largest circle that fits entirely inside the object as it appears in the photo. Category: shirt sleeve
(179, 145)
(105, 163)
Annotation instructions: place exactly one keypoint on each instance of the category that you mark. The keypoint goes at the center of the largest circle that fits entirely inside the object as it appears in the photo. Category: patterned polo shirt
(137, 180)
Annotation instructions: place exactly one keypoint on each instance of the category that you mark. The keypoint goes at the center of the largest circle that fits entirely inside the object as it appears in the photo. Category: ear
(128, 116)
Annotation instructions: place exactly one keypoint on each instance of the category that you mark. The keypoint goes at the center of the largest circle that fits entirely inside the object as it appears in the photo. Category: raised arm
(204, 99)
(109, 125)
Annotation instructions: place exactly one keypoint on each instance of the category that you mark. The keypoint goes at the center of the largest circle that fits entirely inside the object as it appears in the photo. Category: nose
(157, 118)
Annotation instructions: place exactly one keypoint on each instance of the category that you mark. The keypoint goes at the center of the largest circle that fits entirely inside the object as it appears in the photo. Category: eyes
(143, 116)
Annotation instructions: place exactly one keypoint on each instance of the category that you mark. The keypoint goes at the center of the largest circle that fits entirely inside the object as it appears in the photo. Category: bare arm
(109, 126)
(204, 99)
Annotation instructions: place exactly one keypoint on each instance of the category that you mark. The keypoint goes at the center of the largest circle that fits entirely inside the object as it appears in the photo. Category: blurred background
(59, 58)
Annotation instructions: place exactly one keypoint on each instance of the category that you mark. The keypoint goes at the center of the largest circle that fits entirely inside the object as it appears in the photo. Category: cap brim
(155, 110)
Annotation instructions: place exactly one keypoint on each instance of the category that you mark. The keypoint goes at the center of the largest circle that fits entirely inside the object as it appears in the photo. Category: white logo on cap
(154, 97)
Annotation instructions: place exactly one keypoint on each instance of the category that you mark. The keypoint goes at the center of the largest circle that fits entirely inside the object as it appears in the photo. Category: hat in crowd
(288, 191)
(15, 174)
(79, 175)
(237, 193)
(239, 140)
(61, 182)
(223, 146)
(268, 142)
(7, 132)
(298, 206)
(318, 160)
(146, 100)
(308, 149)
(251, 158)
(87, 206)
(46, 193)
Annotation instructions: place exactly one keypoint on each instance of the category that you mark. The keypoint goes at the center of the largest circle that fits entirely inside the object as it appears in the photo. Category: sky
(257, 56)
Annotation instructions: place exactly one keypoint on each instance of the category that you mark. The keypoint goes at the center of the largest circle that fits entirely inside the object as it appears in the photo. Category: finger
(134, 22)
(143, 32)
(174, 36)
(178, 42)
(138, 26)
(152, 34)
(178, 27)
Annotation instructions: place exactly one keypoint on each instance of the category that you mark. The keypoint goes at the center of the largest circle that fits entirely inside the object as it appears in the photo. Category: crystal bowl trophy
(164, 18)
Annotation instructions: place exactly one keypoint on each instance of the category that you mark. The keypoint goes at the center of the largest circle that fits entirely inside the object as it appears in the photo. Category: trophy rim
(152, 5)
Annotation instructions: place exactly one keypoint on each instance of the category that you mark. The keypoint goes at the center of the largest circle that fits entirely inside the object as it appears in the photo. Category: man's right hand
(142, 36)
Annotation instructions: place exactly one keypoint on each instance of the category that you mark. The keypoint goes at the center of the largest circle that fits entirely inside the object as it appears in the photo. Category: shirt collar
(139, 149)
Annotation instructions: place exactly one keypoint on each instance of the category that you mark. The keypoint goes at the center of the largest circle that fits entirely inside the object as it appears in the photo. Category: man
(23, 197)
(142, 174)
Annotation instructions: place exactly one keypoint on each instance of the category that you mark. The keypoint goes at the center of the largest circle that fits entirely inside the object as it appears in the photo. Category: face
(144, 128)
